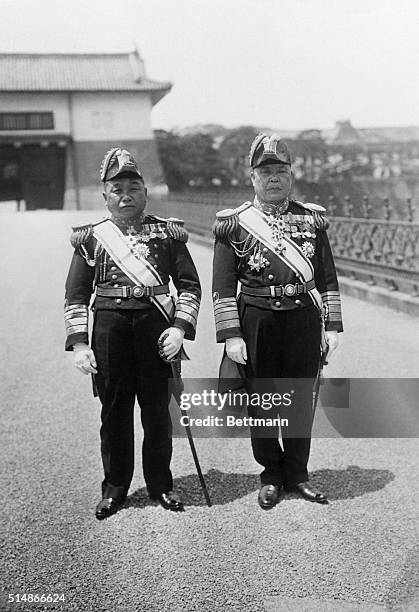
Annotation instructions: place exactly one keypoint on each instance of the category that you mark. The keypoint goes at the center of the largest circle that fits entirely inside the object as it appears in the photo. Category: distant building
(344, 134)
(60, 113)
(310, 135)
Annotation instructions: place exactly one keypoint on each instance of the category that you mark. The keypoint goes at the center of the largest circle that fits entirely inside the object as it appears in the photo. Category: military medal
(257, 261)
(308, 249)
(136, 244)
(144, 237)
(275, 221)
(140, 250)
(277, 226)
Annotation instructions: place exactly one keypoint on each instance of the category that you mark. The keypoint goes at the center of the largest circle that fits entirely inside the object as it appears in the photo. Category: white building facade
(59, 114)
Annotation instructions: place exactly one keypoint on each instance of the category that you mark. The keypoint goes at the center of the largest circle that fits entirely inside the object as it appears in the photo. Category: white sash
(139, 270)
(255, 222)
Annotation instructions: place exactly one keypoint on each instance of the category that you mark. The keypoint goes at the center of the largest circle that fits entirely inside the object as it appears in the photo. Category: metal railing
(378, 251)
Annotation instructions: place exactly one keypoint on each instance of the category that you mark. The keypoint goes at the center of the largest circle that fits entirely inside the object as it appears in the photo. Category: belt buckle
(138, 292)
(289, 290)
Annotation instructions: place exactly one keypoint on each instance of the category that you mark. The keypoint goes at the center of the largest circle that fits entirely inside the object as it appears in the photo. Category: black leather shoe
(169, 501)
(268, 496)
(305, 490)
(106, 507)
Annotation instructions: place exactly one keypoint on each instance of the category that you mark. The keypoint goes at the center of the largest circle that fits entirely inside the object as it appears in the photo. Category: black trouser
(125, 346)
(282, 344)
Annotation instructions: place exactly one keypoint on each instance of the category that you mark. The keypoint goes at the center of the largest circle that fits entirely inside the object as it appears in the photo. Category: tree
(234, 151)
(189, 160)
(169, 146)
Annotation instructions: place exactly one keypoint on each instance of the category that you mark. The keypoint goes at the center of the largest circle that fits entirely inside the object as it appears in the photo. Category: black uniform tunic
(282, 333)
(124, 341)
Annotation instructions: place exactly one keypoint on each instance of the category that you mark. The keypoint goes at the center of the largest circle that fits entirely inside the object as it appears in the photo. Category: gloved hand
(332, 339)
(84, 359)
(170, 342)
(236, 349)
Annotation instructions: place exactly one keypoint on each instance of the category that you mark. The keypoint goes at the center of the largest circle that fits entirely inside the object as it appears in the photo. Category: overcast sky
(290, 64)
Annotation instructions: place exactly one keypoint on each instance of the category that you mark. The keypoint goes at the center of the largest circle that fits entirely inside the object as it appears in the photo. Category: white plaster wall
(111, 116)
(37, 102)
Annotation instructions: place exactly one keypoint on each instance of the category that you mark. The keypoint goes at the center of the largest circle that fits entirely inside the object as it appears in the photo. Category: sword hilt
(163, 356)
(323, 358)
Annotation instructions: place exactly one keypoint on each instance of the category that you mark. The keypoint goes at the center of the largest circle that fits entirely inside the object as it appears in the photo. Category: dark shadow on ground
(225, 488)
(350, 483)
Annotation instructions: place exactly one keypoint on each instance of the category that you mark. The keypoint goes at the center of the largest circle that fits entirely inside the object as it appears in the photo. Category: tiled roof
(76, 72)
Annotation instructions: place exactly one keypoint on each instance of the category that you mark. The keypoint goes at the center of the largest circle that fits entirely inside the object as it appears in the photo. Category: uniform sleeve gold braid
(226, 313)
(226, 229)
(76, 318)
(332, 305)
(187, 307)
(176, 231)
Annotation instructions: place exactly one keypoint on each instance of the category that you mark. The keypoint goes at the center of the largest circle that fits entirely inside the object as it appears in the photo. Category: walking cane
(177, 391)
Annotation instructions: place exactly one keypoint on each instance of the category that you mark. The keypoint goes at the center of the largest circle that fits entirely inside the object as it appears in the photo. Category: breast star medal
(140, 250)
(308, 249)
(257, 261)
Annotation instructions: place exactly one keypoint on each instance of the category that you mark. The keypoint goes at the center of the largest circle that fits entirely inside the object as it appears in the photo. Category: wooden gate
(33, 173)
(10, 169)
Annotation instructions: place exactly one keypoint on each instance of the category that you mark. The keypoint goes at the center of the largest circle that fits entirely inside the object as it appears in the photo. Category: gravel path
(232, 557)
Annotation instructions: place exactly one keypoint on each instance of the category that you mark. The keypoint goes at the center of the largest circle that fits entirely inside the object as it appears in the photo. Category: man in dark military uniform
(287, 309)
(128, 259)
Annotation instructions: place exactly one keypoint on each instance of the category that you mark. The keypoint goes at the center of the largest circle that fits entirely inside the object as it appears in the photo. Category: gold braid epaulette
(226, 229)
(226, 224)
(81, 235)
(174, 228)
(79, 239)
(320, 220)
(176, 231)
